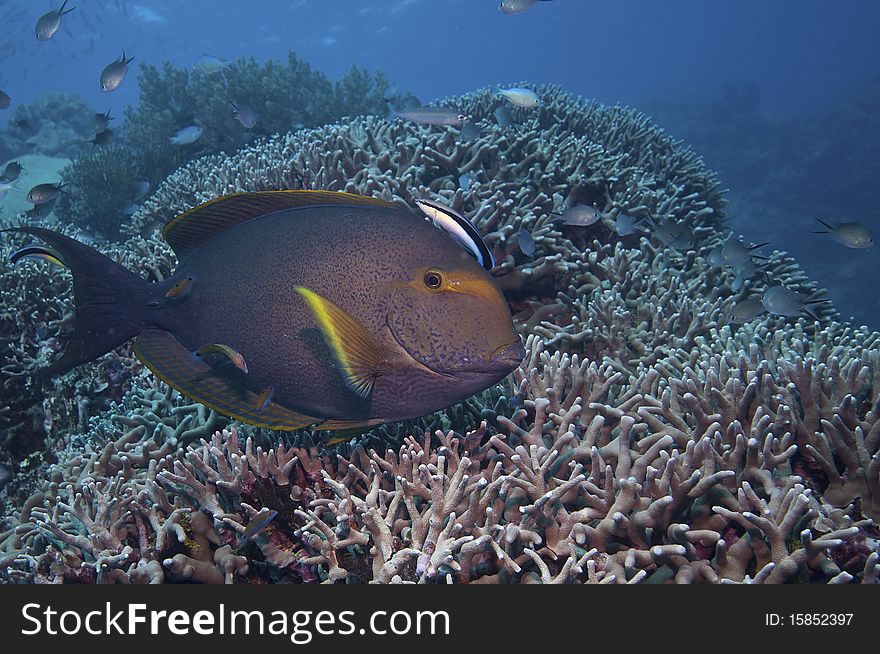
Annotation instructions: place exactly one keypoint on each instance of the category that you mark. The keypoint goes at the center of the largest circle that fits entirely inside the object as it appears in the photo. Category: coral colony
(647, 436)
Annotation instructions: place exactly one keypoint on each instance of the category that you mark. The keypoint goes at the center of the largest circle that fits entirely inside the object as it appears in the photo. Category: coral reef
(284, 97)
(100, 187)
(645, 438)
(57, 125)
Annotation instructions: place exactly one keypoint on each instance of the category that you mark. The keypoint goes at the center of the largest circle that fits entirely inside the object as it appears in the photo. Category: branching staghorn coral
(646, 437)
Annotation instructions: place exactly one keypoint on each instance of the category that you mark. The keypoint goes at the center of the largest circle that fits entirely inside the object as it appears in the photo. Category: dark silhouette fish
(352, 310)
(49, 22)
(5, 100)
(114, 73)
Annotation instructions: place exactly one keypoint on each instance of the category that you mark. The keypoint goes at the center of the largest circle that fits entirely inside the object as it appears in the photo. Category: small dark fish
(460, 229)
(12, 171)
(36, 252)
(181, 288)
(265, 397)
(259, 523)
(21, 123)
(470, 131)
(783, 301)
(503, 116)
(580, 215)
(114, 73)
(626, 224)
(734, 252)
(747, 310)
(851, 235)
(40, 211)
(103, 137)
(5, 100)
(218, 348)
(517, 6)
(433, 116)
(526, 241)
(244, 114)
(42, 193)
(49, 22)
(102, 121)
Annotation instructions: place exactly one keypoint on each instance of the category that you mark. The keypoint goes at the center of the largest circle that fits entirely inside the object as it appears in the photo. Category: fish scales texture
(245, 297)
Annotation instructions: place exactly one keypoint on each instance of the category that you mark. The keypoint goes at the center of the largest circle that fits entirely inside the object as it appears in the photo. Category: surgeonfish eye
(433, 279)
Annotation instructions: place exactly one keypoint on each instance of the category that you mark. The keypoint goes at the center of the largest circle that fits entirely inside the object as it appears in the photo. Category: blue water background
(719, 74)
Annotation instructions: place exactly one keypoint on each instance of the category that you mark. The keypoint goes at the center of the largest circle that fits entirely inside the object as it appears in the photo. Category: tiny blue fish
(526, 241)
(464, 181)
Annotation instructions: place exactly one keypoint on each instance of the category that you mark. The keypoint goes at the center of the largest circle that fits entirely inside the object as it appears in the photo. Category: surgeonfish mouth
(460, 229)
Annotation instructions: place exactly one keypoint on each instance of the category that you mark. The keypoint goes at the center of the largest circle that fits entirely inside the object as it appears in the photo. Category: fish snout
(507, 357)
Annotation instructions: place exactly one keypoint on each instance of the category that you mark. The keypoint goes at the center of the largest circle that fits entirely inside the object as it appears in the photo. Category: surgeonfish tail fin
(824, 224)
(62, 11)
(759, 245)
(112, 303)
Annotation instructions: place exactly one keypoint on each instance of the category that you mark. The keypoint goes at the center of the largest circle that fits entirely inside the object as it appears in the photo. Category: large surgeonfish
(352, 310)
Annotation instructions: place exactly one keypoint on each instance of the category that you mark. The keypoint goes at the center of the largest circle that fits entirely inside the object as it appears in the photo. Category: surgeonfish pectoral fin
(360, 356)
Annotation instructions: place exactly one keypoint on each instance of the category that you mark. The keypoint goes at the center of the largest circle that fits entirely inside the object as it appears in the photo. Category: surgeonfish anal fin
(192, 228)
(171, 362)
(361, 358)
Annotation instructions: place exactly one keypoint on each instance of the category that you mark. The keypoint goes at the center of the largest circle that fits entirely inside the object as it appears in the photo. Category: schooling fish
(114, 73)
(503, 117)
(470, 131)
(5, 100)
(851, 235)
(102, 121)
(103, 137)
(49, 22)
(12, 171)
(782, 301)
(359, 311)
(40, 211)
(517, 6)
(42, 193)
(244, 114)
(432, 116)
(459, 228)
(186, 135)
(747, 310)
(259, 523)
(580, 215)
(521, 97)
(733, 251)
(526, 241)
(210, 65)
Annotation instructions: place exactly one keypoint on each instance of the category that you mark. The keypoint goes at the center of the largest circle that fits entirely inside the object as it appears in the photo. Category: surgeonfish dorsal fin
(361, 358)
(192, 228)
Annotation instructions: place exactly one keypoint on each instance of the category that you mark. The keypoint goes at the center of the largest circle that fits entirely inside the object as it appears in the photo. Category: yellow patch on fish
(362, 359)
